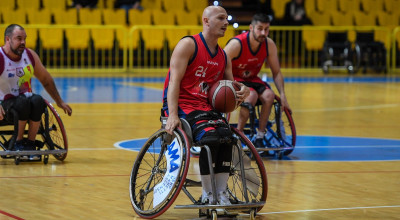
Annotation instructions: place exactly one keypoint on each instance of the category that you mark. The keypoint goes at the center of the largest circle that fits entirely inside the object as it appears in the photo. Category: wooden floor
(93, 181)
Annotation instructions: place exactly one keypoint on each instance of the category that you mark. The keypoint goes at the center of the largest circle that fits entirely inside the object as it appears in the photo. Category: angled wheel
(254, 173)
(159, 173)
(281, 131)
(53, 132)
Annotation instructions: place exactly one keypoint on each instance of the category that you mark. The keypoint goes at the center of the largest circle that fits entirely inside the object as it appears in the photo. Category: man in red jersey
(197, 62)
(249, 51)
(18, 65)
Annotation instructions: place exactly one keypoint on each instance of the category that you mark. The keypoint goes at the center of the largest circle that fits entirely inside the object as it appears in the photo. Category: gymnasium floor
(346, 164)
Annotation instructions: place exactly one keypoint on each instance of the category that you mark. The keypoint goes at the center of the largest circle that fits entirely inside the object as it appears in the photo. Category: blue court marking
(127, 90)
(324, 148)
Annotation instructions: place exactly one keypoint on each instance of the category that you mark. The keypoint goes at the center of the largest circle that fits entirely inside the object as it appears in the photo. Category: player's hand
(2, 112)
(243, 92)
(172, 123)
(67, 109)
(285, 104)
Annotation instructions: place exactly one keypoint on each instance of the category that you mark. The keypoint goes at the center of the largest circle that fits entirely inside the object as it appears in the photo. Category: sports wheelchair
(160, 171)
(51, 134)
(280, 138)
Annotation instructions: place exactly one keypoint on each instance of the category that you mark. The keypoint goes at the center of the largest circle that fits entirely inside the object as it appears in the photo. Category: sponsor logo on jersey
(10, 75)
(212, 63)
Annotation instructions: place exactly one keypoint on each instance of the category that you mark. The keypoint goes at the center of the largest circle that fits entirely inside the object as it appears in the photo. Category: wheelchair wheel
(281, 131)
(256, 176)
(159, 173)
(53, 132)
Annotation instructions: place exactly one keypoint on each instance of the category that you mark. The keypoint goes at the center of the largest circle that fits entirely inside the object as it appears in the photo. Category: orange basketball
(222, 96)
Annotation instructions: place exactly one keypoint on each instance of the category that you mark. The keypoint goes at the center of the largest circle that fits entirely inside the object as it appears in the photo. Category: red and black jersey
(203, 70)
(248, 64)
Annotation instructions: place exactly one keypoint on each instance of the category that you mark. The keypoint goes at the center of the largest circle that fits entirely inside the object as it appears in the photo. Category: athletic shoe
(223, 198)
(207, 198)
(195, 150)
(19, 145)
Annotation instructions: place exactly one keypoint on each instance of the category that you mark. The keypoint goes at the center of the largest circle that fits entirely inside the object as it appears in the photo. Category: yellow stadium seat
(51, 38)
(187, 18)
(326, 6)
(174, 36)
(78, 38)
(123, 43)
(320, 19)
(363, 19)
(196, 5)
(163, 18)
(152, 4)
(7, 4)
(382, 36)
(34, 4)
(114, 17)
(314, 39)
(342, 19)
(279, 7)
(88, 16)
(349, 5)
(171, 5)
(386, 19)
(52, 4)
(153, 39)
(397, 37)
(39, 17)
(194, 31)
(390, 6)
(309, 6)
(14, 17)
(62, 16)
(103, 38)
(372, 5)
(229, 33)
(31, 37)
(137, 17)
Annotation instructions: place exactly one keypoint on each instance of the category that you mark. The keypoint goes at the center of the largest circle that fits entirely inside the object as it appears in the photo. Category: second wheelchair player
(249, 51)
(18, 65)
(196, 63)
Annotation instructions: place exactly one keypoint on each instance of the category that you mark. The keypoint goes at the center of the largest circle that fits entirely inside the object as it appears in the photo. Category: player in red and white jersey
(197, 62)
(249, 51)
(17, 66)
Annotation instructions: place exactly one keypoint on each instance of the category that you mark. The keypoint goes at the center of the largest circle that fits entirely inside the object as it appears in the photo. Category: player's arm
(183, 52)
(244, 91)
(48, 83)
(276, 72)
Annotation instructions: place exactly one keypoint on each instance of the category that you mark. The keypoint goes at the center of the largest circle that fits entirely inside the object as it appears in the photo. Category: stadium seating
(349, 5)
(327, 6)
(103, 38)
(163, 18)
(87, 16)
(279, 8)
(7, 5)
(31, 37)
(187, 18)
(229, 33)
(363, 19)
(62, 16)
(39, 17)
(151, 4)
(153, 39)
(51, 38)
(320, 19)
(77, 38)
(114, 17)
(52, 4)
(342, 19)
(371, 6)
(174, 5)
(137, 17)
(174, 36)
(313, 39)
(33, 4)
(14, 17)
(120, 35)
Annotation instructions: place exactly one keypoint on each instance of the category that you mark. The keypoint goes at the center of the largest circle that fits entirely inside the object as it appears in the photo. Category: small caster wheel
(17, 160)
(214, 214)
(46, 159)
(252, 214)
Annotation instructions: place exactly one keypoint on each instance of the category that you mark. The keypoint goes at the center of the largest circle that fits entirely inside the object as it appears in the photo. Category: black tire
(150, 169)
(256, 176)
(53, 132)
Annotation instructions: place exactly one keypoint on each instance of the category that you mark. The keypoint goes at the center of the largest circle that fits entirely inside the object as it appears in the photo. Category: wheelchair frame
(280, 137)
(51, 131)
(153, 189)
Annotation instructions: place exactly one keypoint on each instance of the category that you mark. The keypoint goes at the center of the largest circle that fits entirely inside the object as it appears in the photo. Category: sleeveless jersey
(248, 64)
(15, 75)
(203, 70)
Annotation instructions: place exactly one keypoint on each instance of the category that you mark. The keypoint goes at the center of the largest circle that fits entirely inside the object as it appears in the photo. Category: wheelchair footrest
(32, 152)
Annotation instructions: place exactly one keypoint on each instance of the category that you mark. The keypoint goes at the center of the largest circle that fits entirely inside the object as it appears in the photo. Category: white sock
(206, 184)
(221, 181)
(260, 134)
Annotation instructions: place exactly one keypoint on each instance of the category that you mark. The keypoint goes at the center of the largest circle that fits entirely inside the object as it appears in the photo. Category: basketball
(222, 96)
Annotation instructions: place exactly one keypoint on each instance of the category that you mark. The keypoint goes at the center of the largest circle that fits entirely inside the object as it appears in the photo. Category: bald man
(197, 62)
(17, 66)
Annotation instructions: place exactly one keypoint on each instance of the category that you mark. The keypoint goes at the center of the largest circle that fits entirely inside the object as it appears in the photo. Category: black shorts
(258, 87)
(27, 108)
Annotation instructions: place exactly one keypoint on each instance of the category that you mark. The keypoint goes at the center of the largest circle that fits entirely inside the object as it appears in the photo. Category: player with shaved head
(197, 62)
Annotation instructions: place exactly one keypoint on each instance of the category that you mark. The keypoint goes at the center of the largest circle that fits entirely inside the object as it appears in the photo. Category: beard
(19, 50)
(259, 38)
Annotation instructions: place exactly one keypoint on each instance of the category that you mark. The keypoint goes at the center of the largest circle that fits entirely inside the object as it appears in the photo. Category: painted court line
(332, 209)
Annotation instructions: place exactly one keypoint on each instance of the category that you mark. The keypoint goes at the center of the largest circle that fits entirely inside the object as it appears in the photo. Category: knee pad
(37, 107)
(23, 107)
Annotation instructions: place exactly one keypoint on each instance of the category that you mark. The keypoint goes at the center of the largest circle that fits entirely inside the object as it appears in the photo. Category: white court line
(83, 149)
(333, 209)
